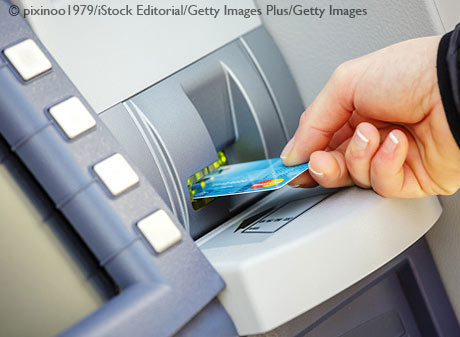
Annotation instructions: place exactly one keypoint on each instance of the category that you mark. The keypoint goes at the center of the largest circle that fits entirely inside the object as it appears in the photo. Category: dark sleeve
(448, 65)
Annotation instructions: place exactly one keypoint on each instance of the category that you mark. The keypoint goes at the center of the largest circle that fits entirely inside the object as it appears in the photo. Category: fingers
(389, 176)
(359, 153)
(304, 180)
(349, 127)
(363, 161)
(345, 132)
(328, 113)
(329, 169)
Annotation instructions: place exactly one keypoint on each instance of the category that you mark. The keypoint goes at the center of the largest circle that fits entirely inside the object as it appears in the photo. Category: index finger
(328, 113)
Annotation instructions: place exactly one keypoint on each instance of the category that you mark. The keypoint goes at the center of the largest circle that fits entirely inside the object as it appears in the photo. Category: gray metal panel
(409, 285)
(443, 239)
(119, 122)
(112, 57)
(314, 47)
(276, 76)
(224, 102)
(325, 238)
(161, 292)
(449, 10)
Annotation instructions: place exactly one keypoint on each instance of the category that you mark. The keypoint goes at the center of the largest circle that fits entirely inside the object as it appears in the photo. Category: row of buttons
(74, 119)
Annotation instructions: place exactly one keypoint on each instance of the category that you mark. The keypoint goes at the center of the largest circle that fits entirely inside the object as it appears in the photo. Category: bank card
(250, 177)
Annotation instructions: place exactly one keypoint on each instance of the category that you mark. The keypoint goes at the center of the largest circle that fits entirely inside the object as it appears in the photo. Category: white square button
(28, 59)
(116, 174)
(73, 117)
(159, 230)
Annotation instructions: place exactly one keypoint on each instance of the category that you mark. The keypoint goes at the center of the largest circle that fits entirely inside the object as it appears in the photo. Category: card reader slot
(220, 103)
(199, 203)
(226, 110)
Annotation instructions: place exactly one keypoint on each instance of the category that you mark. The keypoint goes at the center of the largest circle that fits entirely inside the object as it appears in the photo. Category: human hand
(381, 119)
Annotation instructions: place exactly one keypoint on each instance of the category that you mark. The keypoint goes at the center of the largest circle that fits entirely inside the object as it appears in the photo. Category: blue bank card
(251, 177)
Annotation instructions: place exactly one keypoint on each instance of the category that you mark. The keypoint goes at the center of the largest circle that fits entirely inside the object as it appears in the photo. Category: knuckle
(307, 114)
(341, 71)
(304, 116)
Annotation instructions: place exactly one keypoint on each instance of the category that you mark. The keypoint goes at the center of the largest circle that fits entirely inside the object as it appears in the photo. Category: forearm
(448, 68)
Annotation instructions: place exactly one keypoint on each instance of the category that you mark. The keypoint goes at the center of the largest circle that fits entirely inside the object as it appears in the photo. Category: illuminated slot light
(197, 204)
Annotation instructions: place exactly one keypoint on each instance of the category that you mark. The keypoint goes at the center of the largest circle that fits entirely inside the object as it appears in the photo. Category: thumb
(328, 113)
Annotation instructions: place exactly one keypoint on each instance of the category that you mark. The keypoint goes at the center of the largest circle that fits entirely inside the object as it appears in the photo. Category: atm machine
(106, 121)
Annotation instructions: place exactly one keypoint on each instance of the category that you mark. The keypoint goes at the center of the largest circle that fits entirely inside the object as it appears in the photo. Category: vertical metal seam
(267, 86)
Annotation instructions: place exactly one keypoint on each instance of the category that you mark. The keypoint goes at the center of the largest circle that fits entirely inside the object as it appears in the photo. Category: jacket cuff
(448, 79)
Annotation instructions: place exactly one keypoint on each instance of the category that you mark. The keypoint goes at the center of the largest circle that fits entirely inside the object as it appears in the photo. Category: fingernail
(287, 149)
(360, 141)
(317, 173)
(295, 186)
(390, 144)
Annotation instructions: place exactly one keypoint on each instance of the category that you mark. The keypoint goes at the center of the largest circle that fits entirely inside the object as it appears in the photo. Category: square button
(116, 174)
(73, 117)
(28, 59)
(159, 230)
